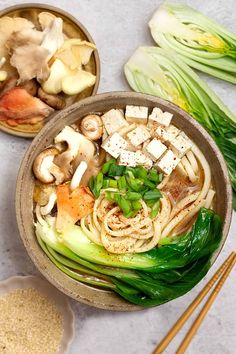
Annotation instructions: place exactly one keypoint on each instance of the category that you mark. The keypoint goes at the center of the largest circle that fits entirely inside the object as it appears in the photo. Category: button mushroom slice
(45, 169)
(92, 127)
(51, 100)
(79, 172)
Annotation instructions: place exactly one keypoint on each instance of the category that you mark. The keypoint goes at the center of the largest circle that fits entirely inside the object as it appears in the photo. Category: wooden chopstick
(185, 343)
(188, 312)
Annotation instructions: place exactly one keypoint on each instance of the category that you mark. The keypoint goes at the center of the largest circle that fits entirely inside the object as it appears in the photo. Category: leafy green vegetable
(162, 73)
(202, 43)
(147, 279)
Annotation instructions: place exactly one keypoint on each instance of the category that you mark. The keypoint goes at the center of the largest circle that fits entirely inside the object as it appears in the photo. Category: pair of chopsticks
(225, 269)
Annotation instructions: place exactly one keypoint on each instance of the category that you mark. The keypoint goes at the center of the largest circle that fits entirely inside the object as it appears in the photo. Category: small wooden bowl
(25, 184)
(73, 29)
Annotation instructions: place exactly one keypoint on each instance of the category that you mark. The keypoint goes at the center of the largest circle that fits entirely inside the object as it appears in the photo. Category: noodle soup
(121, 190)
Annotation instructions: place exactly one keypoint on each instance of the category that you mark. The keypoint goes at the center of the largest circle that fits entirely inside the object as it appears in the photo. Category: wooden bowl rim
(42, 267)
(42, 6)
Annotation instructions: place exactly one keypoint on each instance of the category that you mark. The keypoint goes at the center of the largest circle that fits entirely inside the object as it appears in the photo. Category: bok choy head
(162, 73)
(203, 43)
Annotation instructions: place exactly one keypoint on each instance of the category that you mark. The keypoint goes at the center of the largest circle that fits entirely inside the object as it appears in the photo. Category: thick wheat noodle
(193, 161)
(124, 232)
(180, 169)
(190, 215)
(91, 232)
(142, 231)
(185, 215)
(206, 171)
(124, 246)
(209, 198)
(190, 198)
(153, 242)
(39, 215)
(163, 215)
(189, 169)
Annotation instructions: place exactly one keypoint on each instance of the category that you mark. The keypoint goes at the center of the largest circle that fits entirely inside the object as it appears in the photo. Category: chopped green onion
(133, 196)
(153, 194)
(131, 214)
(106, 166)
(112, 183)
(155, 209)
(116, 170)
(137, 205)
(106, 183)
(122, 182)
(109, 196)
(140, 172)
(153, 176)
(149, 184)
(125, 205)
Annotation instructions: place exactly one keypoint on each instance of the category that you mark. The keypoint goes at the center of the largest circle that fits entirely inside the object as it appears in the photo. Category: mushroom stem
(46, 209)
(79, 172)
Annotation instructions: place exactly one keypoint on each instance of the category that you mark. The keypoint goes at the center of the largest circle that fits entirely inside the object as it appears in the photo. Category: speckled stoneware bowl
(25, 184)
(72, 29)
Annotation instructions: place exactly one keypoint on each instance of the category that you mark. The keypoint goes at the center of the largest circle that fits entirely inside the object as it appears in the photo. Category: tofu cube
(143, 160)
(114, 144)
(167, 163)
(159, 118)
(162, 133)
(155, 149)
(113, 120)
(127, 158)
(139, 135)
(167, 134)
(136, 114)
(181, 145)
(172, 132)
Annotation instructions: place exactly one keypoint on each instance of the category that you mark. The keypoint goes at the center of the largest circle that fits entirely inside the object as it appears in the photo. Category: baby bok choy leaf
(202, 43)
(161, 73)
(157, 276)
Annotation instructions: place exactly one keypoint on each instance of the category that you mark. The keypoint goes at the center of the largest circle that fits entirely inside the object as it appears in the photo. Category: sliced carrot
(72, 206)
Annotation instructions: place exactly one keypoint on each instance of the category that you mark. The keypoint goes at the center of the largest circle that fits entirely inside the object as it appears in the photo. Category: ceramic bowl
(25, 184)
(73, 29)
(53, 295)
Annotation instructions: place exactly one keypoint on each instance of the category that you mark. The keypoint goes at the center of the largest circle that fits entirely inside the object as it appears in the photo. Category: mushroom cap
(43, 163)
(92, 127)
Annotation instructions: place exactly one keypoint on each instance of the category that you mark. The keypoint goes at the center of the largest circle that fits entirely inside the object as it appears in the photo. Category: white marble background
(118, 27)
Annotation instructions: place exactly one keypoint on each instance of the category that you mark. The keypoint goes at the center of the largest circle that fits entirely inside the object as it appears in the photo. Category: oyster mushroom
(53, 101)
(92, 127)
(45, 169)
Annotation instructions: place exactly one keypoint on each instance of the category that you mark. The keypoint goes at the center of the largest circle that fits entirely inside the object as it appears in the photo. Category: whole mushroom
(92, 127)
(45, 170)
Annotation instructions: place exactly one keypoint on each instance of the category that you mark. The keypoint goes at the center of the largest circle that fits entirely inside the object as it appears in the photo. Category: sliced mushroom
(30, 86)
(77, 146)
(92, 127)
(45, 169)
(54, 101)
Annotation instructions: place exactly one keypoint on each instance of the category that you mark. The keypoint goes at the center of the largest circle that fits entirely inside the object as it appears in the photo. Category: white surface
(118, 27)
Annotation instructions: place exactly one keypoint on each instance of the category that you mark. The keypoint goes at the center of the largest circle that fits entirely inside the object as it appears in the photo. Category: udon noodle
(107, 226)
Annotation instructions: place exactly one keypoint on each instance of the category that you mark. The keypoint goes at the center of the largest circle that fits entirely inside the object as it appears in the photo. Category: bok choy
(161, 73)
(202, 43)
(146, 279)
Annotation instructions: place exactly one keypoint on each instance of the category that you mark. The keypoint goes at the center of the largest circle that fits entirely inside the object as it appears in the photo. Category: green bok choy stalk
(162, 73)
(202, 43)
(157, 276)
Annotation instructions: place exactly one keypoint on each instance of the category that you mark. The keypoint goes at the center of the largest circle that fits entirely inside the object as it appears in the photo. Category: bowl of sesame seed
(35, 317)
